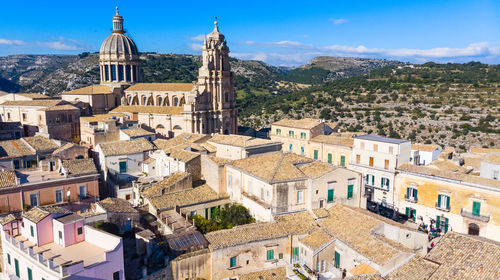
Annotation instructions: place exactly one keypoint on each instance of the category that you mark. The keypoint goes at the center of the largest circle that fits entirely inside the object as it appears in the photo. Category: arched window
(130, 100)
(473, 229)
(159, 101)
(176, 101)
(144, 99)
(177, 127)
(160, 126)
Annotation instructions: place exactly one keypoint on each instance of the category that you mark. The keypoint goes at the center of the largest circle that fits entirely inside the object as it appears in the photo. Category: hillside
(447, 104)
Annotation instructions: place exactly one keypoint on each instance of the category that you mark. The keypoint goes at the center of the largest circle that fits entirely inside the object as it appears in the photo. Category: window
(495, 175)
(120, 72)
(127, 73)
(331, 189)
(302, 135)
(342, 161)
(411, 213)
(362, 145)
(33, 199)
(123, 166)
(261, 193)
(280, 256)
(250, 187)
(278, 131)
(17, 165)
(370, 180)
(113, 72)
(270, 255)
(290, 147)
(315, 154)
(358, 158)
(8, 258)
(375, 147)
(80, 231)
(83, 192)
(16, 264)
(116, 275)
(295, 254)
(302, 150)
(32, 231)
(300, 197)
(25, 117)
(290, 133)
(337, 259)
(226, 97)
(144, 99)
(159, 101)
(371, 161)
(59, 196)
(386, 164)
(232, 262)
(329, 158)
(442, 223)
(391, 150)
(384, 183)
(411, 194)
(350, 190)
(443, 202)
(8, 116)
(30, 274)
(106, 72)
(60, 239)
(476, 208)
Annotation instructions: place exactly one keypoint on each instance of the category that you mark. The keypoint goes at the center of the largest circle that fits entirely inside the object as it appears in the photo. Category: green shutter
(415, 194)
(439, 200)
(414, 214)
(407, 192)
(349, 191)
(232, 262)
(438, 219)
(330, 195)
(407, 212)
(32, 231)
(342, 160)
(447, 202)
(337, 259)
(270, 255)
(445, 225)
(123, 166)
(315, 154)
(382, 183)
(329, 158)
(206, 213)
(296, 251)
(16, 263)
(30, 274)
(373, 180)
(476, 208)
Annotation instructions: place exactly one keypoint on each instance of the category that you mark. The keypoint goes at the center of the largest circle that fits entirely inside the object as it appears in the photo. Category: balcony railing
(471, 215)
(439, 207)
(29, 252)
(411, 199)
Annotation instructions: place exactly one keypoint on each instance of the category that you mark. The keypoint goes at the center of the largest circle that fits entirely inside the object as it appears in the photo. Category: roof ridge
(277, 167)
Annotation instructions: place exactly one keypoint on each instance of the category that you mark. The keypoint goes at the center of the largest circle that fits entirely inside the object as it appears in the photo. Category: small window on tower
(227, 97)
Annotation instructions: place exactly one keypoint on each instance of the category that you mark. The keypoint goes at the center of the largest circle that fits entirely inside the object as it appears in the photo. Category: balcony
(471, 215)
(439, 207)
(411, 199)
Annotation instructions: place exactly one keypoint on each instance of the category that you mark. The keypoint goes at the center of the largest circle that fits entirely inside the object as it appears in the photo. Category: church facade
(205, 106)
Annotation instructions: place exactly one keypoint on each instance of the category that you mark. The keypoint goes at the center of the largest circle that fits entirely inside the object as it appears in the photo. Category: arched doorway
(473, 229)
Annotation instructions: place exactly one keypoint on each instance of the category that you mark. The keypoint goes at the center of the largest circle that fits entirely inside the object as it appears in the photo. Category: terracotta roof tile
(161, 87)
(102, 117)
(424, 147)
(199, 194)
(316, 169)
(65, 107)
(239, 140)
(160, 110)
(157, 188)
(306, 123)
(117, 205)
(333, 139)
(38, 213)
(79, 167)
(316, 239)
(93, 89)
(136, 132)
(15, 148)
(417, 268)
(41, 144)
(363, 268)
(126, 147)
(492, 158)
(7, 179)
(35, 103)
(278, 273)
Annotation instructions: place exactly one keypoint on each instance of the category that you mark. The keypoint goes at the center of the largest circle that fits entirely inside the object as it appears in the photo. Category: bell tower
(216, 85)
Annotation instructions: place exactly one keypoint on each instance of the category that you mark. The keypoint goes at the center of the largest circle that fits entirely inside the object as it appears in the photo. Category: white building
(377, 158)
(490, 166)
(423, 154)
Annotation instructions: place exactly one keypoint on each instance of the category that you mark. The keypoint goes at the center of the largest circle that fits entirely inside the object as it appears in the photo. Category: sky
(286, 33)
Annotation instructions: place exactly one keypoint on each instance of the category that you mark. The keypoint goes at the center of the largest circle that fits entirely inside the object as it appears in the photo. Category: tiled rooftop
(38, 213)
(316, 239)
(449, 175)
(239, 140)
(157, 188)
(64, 107)
(278, 273)
(181, 155)
(333, 139)
(361, 269)
(126, 147)
(35, 103)
(355, 229)
(93, 89)
(465, 257)
(196, 195)
(117, 205)
(379, 138)
(479, 150)
(417, 268)
(220, 161)
(182, 139)
(161, 87)
(102, 117)
(424, 147)
(136, 132)
(306, 123)
(80, 167)
(41, 144)
(161, 110)
(15, 148)
(493, 158)
(7, 179)
(277, 167)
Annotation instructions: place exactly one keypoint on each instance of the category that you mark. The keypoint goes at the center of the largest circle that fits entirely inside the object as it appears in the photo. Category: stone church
(205, 106)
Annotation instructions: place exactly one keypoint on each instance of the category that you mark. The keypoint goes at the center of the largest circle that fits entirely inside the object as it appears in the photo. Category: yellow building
(454, 201)
(334, 149)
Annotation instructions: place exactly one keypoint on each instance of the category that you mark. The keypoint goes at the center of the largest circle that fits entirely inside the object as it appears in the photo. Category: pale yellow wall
(335, 150)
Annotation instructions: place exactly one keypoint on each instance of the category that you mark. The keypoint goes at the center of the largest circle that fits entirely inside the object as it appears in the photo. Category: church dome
(119, 46)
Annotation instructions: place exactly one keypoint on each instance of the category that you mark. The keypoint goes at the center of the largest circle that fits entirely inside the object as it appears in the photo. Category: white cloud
(338, 21)
(197, 38)
(195, 47)
(11, 42)
(296, 53)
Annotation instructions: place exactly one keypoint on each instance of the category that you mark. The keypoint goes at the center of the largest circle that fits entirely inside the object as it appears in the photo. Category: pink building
(54, 243)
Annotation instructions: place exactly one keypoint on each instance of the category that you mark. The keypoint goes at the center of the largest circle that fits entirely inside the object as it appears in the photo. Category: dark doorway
(473, 229)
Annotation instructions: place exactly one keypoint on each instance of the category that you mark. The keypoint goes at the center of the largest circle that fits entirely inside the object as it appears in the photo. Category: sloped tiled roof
(41, 144)
(102, 117)
(316, 239)
(191, 196)
(88, 90)
(35, 103)
(64, 147)
(424, 147)
(157, 188)
(126, 147)
(80, 167)
(363, 268)
(333, 139)
(306, 123)
(7, 178)
(38, 213)
(277, 167)
(136, 132)
(15, 148)
(161, 110)
(239, 140)
(117, 205)
(278, 273)
(417, 268)
(161, 87)
(65, 107)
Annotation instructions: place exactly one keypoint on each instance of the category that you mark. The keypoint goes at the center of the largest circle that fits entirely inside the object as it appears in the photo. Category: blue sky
(278, 32)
